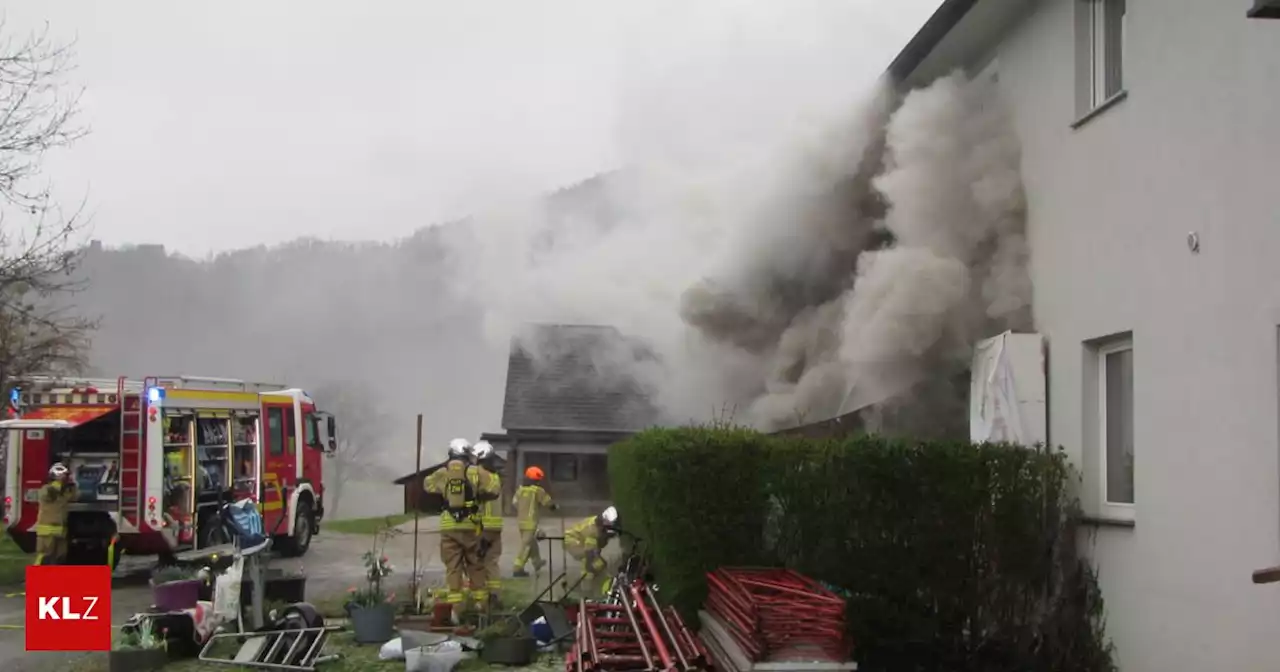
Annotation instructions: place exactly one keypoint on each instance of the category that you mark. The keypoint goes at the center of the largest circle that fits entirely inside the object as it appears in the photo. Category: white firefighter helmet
(482, 449)
(58, 470)
(459, 448)
(609, 516)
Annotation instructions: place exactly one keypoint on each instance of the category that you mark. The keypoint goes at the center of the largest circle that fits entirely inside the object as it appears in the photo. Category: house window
(1115, 415)
(1100, 45)
(564, 467)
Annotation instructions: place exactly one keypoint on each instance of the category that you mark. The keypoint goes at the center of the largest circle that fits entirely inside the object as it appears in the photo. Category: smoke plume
(845, 264)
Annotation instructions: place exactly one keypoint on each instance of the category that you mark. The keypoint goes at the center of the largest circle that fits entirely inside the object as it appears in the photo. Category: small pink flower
(351, 590)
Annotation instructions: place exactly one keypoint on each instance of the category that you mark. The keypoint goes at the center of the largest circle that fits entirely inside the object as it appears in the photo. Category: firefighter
(490, 520)
(586, 541)
(459, 542)
(529, 501)
(51, 520)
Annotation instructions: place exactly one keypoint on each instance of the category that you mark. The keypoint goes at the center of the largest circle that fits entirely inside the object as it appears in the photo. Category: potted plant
(370, 607)
(507, 643)
(138, 649)
(175, 588)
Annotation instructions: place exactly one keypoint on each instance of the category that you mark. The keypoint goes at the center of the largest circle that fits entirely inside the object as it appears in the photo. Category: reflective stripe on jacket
(491, 511)
(585, 534)
(486, 482)
(529, 501)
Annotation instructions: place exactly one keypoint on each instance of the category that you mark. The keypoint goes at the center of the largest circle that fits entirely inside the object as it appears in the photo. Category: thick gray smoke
(835, 268)
(954, 271)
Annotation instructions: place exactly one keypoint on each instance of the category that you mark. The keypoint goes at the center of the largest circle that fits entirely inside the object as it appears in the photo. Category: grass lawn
(13, 562)
(365, 525)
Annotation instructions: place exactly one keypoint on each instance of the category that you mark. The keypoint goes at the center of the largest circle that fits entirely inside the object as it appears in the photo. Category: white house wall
(1195, 147)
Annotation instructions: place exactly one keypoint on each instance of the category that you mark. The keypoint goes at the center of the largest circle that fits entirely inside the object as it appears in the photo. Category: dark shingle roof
(576, 377)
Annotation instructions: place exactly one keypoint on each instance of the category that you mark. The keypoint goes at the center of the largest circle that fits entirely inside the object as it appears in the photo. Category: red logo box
(68, 608)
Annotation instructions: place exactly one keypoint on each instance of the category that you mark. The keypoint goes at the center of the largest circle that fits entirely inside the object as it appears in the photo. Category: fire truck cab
(154, 460)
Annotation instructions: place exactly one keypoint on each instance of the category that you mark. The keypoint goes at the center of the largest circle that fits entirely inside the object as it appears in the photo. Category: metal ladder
(132, 424)
(298, 650)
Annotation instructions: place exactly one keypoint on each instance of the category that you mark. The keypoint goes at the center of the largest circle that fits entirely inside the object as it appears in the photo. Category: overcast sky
(220, 125)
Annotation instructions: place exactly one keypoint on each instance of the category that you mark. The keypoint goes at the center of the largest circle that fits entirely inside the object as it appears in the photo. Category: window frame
(1113, 510)
(277, 446)
(1098, 58)
(311, 431)
(554, 474)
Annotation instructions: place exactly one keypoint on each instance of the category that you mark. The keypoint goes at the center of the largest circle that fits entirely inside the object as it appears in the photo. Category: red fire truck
(156, 458)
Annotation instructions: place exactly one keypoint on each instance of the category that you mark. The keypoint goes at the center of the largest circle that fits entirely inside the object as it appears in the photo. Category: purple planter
(176, 595)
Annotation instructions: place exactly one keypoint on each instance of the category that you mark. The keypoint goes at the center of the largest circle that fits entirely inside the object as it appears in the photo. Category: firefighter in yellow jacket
(460, 524)
(51, 520)
(586, 541)
(459, 542)
(490, 520)
(529, 501)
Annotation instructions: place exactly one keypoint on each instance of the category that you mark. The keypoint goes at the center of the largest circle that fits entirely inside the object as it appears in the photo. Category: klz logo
(68, 608)
(49, 609)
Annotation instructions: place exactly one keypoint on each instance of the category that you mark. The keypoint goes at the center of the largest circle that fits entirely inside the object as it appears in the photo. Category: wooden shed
(415, 496)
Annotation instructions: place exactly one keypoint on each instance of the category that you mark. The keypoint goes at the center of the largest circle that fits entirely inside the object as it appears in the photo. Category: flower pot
(516, 651)
(176, 595)
(137, 660)
(441, 615)
(373, 624)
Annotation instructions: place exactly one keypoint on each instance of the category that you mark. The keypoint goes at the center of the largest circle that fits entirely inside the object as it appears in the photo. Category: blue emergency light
(155, 394)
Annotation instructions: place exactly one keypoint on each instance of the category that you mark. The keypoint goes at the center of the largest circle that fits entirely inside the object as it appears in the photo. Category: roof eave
(544, 432)
(944, 19)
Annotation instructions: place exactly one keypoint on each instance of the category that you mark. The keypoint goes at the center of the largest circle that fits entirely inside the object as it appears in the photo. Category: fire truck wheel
(297, 544)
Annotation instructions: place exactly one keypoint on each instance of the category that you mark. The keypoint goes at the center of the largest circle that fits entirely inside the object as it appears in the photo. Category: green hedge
(954, 556)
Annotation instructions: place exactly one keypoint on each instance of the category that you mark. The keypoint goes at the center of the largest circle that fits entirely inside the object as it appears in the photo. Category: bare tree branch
(40, 245)
(36, 114)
